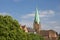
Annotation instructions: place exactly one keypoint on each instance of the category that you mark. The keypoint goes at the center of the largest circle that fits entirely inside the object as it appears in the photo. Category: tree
(10, 30)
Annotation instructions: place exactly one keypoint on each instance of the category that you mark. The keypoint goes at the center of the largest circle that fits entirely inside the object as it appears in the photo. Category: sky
(24, 11)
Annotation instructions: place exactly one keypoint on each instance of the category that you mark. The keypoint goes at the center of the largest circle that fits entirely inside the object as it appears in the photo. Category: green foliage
(10, 30)
(32, 36)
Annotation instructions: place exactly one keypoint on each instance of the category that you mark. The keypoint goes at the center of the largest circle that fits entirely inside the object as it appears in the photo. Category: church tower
(37, 25)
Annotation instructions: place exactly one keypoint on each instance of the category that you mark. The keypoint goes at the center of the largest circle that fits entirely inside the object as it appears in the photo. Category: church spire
(37, 25)
(37, 16)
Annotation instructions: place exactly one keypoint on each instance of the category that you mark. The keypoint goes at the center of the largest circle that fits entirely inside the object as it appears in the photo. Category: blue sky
(24, 11)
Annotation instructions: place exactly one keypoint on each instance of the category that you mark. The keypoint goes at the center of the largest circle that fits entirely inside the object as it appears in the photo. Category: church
(47, 34)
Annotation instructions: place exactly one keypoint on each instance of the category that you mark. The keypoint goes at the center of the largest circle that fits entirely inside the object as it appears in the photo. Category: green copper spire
(36, 16)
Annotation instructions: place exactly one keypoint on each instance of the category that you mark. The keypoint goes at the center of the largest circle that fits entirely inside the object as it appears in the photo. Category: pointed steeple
(37, 16)
(36, 24)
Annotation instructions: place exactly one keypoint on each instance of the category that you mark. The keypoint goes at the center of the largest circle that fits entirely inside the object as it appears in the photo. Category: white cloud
(45, 24)
(54, 25)
(4, 13)
(28, 15)
(46, 13)
(27, 23)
